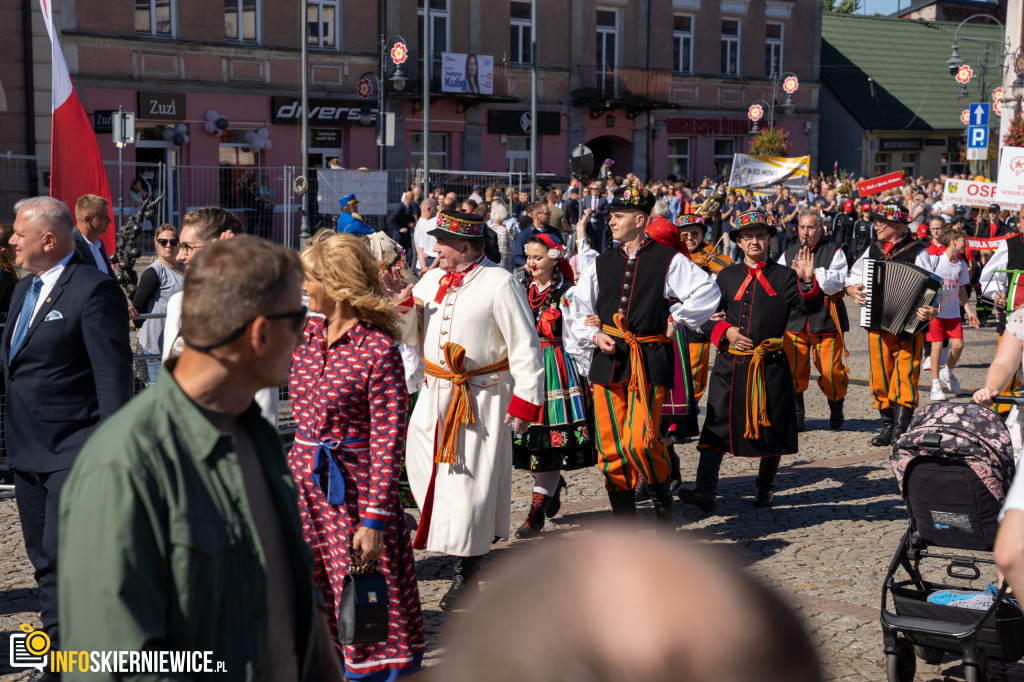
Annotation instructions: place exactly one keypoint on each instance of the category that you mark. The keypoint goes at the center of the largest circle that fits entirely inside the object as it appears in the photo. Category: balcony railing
(623, 85)
(413, 70)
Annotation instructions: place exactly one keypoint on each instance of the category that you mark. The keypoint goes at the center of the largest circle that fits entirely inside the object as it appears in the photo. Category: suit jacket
(84, 252)
(70, 373)
(404, 216)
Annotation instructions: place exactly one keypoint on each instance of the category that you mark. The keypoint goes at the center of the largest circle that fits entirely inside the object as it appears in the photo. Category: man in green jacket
(179, 522)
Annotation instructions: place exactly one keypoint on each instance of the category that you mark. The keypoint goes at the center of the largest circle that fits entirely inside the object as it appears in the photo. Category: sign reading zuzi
(161, 106)
(288, 110)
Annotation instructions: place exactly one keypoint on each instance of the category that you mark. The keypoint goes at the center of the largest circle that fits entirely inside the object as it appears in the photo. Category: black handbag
(363, 612)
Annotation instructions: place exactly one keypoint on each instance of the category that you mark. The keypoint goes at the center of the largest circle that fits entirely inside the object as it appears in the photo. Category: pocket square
(53, 315)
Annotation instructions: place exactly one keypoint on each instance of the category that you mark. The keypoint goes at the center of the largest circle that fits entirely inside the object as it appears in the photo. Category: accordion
(895, 291)
(1014, 289)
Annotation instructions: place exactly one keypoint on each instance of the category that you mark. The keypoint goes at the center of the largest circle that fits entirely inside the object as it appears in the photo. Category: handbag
(363, 611)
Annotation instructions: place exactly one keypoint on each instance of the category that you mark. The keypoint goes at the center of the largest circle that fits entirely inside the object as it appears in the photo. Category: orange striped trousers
(620, 437)
(700, 357)
(826, 354)
(895, 369)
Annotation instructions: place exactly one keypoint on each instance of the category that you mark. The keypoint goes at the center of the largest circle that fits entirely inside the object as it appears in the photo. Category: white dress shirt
(49, 278)
(97, 254)
(832, 279)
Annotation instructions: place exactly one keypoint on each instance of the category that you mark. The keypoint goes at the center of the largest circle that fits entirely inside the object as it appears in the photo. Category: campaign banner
(758, 172)
(467, 73)
(983, 244)
(880, 184)
(1010, 187)
(975, 193)
(370, 188)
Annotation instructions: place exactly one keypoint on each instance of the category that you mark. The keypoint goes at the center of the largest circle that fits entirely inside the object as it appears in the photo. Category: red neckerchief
(752, 272)
(453, 280)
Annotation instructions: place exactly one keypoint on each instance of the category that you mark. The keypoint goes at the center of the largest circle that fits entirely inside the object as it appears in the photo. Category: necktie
(25, 316)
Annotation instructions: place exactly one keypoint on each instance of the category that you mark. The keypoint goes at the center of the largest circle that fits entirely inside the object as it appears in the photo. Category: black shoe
(800, 413)
(534, 523)
(464, 584)
(675, 478)
(641, 493)
(835, 414)
(902, 422)
(555, 501)
(661, 496)
(884, 437)
(703, 493)
(766, 481)
(623, 504)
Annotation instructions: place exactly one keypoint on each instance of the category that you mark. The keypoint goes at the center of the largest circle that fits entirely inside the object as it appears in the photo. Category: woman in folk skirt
(562, 440)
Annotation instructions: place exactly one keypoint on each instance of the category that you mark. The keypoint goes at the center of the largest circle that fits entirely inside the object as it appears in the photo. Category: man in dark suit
(597, 229)
(67, 365)
(403, 221)
(92, 219)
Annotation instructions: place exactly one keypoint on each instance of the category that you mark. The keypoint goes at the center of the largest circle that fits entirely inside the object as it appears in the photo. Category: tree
(842, 6)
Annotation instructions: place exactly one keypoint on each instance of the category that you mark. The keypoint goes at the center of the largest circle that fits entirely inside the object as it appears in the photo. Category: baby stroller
(954, 467)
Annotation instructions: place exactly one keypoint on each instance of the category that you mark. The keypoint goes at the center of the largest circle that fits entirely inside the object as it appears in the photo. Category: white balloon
(268, 144)
(187, 138)
(168, 133)
(181, 128)
(263, 132)
(212, 115)
(250, 136)
(211, 128)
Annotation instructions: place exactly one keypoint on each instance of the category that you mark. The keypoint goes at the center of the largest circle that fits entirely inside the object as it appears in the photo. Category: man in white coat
(484, 377)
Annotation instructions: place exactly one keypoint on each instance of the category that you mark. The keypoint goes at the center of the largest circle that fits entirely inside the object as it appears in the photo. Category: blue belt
(335, 481)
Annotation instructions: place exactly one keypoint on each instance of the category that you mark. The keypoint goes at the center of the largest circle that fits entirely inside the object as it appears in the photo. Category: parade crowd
(544, 332)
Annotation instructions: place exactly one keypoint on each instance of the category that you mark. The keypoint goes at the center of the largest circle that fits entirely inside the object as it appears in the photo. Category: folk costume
(350, 402)
(819, 337)
(895, 362)
(483, 361)
(1009, 256)
(630, 383)
(750, 394)
(699, 343)
(561, 440)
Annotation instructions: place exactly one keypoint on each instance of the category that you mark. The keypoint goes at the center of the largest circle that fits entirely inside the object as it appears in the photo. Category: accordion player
(895, 357)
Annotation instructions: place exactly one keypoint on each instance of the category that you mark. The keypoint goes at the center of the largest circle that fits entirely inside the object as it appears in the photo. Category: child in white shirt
(952, 268)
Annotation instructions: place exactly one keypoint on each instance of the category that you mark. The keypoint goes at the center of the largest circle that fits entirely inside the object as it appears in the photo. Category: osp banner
(758, 172)
(975, 193)
(1011, 175)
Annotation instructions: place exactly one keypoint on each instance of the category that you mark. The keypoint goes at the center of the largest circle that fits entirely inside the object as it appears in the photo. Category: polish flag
(76, 167)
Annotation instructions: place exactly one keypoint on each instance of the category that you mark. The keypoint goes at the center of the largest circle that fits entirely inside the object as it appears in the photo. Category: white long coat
(490, 317)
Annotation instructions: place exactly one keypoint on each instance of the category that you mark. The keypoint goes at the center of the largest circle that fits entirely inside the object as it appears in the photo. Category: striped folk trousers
(620, 427)
(895, 369)
(827, 356)
(700, 356)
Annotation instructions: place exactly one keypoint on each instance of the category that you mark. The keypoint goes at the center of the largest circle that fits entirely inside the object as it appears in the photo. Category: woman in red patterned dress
(349, 398)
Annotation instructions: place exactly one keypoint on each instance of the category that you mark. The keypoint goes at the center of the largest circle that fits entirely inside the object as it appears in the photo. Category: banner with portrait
(471, 74)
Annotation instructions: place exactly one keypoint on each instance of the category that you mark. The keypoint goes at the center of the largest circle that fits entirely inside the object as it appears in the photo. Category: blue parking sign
(977, 137)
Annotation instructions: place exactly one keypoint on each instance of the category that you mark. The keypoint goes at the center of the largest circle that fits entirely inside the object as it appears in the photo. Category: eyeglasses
(299, 317)
(165, 242)
(187, 248)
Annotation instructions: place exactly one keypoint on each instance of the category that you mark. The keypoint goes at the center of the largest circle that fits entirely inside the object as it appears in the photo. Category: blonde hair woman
(349, 398)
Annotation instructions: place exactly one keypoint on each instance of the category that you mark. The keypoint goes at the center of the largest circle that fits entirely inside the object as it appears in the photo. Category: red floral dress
(350, 403)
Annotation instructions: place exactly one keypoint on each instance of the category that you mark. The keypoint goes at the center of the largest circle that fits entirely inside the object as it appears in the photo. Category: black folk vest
(821, 321)
(1015, 253)
(636, 288)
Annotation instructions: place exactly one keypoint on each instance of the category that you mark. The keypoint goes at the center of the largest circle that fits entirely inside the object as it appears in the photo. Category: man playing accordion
(895, 362)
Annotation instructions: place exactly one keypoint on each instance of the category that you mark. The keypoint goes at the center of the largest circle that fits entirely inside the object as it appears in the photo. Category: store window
(322, 24)
(679, 157)
(519, 42)
(154, 18)
(773, 50)
(724, 149)
(730, 47)
(438, 150)
(438, 26)
(239, 167)
(908, 163)
(682, 44)
(881, 163)
(517, 151)
(241, 20)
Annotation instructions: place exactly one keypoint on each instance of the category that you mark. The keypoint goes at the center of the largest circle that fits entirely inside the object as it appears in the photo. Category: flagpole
(304, 145)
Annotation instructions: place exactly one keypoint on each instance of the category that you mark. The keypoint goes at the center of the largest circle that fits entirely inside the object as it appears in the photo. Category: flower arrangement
(770, 142)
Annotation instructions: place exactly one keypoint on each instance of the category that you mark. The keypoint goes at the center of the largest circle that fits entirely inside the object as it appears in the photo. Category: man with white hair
(503, 226)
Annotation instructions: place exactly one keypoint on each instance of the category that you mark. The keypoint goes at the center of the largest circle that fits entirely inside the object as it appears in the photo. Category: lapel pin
(47, 300)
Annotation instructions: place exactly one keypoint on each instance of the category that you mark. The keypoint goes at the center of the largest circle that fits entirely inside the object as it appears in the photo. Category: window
(909, 163)
(519, 44)
(607, 28)
(682, 44)
(154, 18)
(724, 147)
(773, 50)
(679, 157)
(438, 150)
(517, 151)
(438, 26)
(241, 20)
(238, 168)
(730, 47)
(322, 23)
(881, 163)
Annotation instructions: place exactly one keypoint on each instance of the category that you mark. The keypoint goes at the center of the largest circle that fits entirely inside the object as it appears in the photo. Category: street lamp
(789, 84)
(395, 45)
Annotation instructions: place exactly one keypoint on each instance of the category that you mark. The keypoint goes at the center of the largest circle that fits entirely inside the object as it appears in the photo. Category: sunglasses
(165, 242)
(299, 317)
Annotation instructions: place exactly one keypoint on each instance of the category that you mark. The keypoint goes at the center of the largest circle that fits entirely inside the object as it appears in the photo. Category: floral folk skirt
(680, 404)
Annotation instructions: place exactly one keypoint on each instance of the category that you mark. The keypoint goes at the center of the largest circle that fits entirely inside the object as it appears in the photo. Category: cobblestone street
(825, 546)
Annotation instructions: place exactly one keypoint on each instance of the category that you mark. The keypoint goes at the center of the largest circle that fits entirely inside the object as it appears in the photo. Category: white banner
(758, 172)
(370, 188)
(1011, 176)
(473, 74)
(977, 194)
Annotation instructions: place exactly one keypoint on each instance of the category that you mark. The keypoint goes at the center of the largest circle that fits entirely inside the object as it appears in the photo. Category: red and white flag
(76, 167)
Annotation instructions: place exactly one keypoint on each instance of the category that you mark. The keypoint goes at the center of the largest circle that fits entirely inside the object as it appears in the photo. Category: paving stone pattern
(825, 546)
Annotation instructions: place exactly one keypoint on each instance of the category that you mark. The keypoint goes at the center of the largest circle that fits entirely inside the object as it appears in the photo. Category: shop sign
(329, 139)
(322, 112)
(161, 106)
(102, 121)
(708, 126)
(900, 144)
(517, 122)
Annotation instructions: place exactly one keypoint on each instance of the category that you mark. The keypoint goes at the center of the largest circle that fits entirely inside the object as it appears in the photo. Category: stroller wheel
(901, 666)
(977, 673)
(928, 654)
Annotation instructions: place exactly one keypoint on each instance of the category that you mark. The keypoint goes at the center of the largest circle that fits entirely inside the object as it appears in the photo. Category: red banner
(983, 244)
(880, 184)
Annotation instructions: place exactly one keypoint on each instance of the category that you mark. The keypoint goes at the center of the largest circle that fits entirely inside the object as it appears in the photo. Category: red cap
(866, 206)
(848, 206)
(922, 231)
